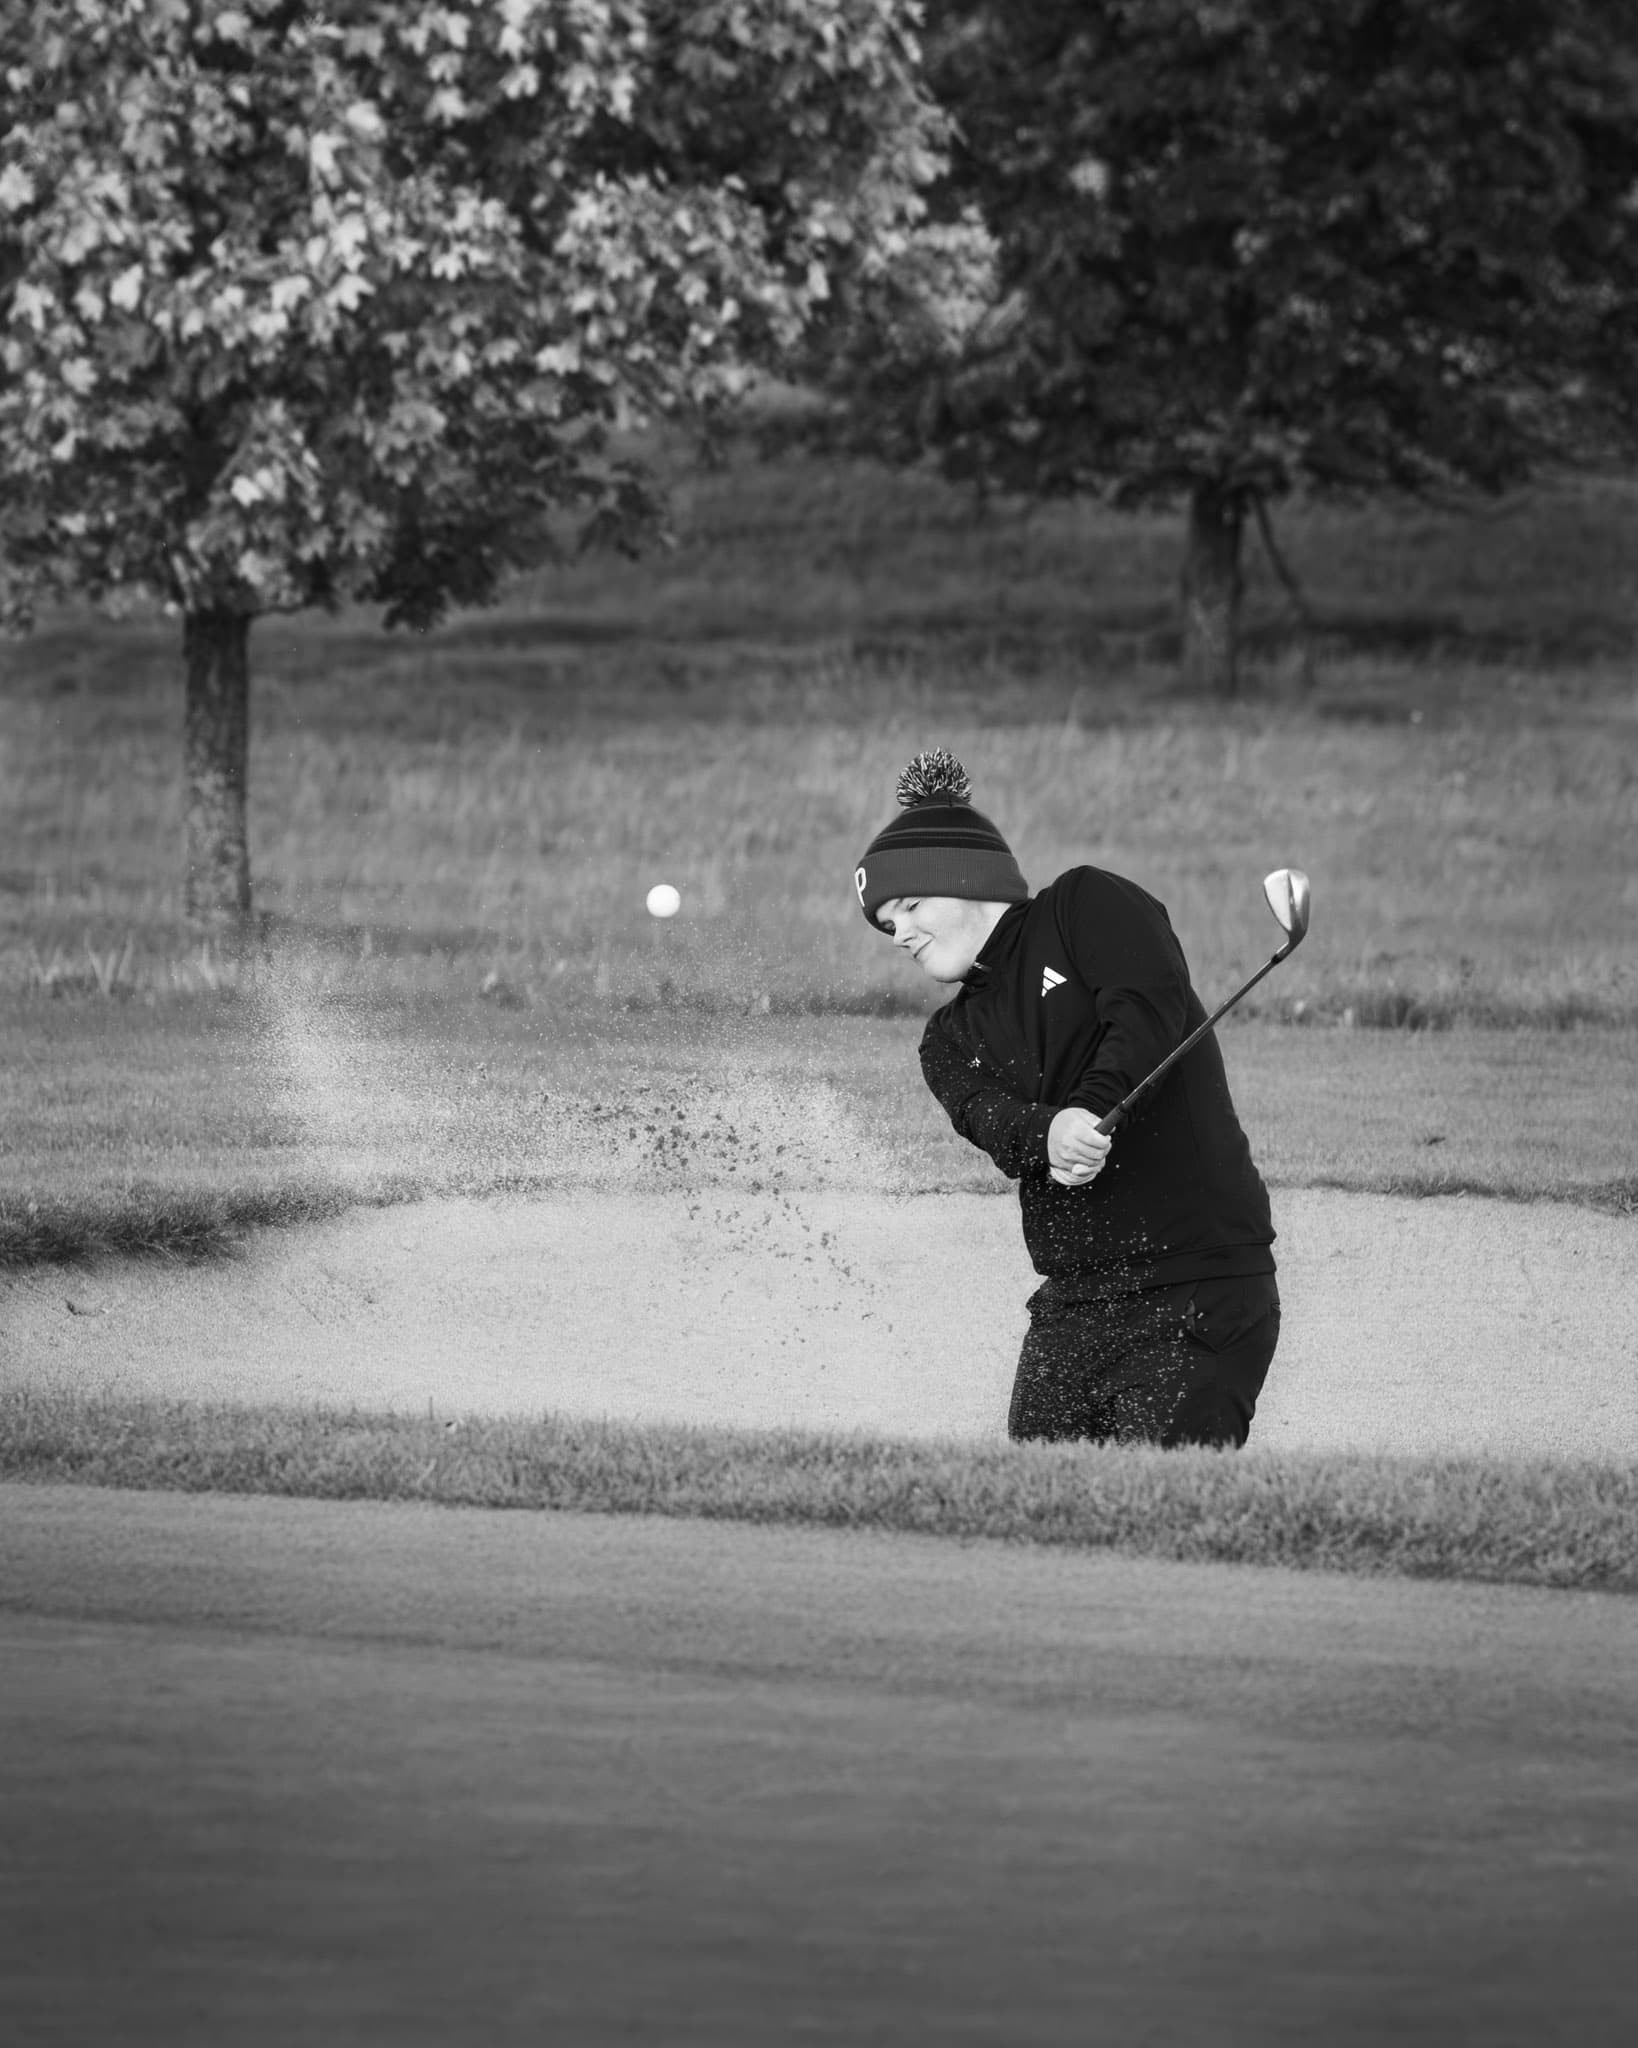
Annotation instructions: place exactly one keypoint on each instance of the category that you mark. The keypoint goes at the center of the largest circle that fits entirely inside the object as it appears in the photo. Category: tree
(1239, 246)
(303, 304)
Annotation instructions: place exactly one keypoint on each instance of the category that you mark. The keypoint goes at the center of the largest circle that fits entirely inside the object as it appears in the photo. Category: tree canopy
(1246, 245)
(340, 300)
(311, 302)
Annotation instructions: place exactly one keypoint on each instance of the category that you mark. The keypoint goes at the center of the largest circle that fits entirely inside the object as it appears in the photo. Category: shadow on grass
(1115, 633)
(1613, 1197)
(185, 1225)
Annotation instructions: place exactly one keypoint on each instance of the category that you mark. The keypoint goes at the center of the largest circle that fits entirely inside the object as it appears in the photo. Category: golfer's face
(940, 933)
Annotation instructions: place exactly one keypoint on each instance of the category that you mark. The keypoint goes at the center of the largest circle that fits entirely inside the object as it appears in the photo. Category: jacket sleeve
(1124, 948)
(986, 1113)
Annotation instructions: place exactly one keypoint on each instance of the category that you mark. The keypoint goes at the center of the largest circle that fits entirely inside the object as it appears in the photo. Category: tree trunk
(1211, 591)
(216, 657)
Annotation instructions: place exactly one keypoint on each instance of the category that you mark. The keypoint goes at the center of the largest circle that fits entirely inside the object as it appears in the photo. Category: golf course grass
(1553, 1523)
(451, 967)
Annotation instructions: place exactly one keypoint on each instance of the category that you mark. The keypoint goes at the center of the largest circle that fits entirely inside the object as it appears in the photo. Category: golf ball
(663, 900)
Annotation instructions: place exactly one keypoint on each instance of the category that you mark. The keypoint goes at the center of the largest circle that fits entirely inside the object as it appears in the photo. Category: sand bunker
(1450, 1325)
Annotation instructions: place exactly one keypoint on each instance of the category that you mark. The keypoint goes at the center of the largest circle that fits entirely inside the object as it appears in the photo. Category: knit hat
(938, 845)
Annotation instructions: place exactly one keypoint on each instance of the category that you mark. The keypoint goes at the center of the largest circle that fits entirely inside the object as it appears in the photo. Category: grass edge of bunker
(1566, 1524)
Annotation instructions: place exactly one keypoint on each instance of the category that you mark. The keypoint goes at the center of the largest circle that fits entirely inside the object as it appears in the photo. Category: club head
(1287, 893)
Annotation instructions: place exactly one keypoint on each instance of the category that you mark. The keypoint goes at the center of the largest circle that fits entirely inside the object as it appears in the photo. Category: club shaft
(1116, 1116)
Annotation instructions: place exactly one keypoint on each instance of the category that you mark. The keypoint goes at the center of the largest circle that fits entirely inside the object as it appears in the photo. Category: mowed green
(452, 837)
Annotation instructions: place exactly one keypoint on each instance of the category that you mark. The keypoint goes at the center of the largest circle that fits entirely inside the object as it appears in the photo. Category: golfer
(1157, 1313)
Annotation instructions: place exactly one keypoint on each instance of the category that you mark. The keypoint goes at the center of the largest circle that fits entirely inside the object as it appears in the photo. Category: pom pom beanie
(938, 845)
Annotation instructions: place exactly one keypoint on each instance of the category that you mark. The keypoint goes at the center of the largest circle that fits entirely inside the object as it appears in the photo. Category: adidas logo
(1051, 979)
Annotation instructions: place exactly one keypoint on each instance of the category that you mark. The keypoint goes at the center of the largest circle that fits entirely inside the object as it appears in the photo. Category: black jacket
(1076, 996)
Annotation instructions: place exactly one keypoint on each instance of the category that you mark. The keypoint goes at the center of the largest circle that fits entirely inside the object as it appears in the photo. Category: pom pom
(936, 772)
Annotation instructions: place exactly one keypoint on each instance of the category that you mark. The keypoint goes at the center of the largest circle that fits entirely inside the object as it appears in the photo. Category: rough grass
(478, 812)
(1548, 1523)
(1464, 873)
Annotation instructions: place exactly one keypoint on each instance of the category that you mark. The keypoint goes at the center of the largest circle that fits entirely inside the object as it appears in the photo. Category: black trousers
(1166, 1365)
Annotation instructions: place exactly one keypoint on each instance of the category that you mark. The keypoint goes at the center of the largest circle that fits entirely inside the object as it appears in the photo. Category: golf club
(1287, 893)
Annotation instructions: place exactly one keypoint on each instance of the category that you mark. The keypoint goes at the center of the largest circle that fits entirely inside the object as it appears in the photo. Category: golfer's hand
(1076, 1148)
